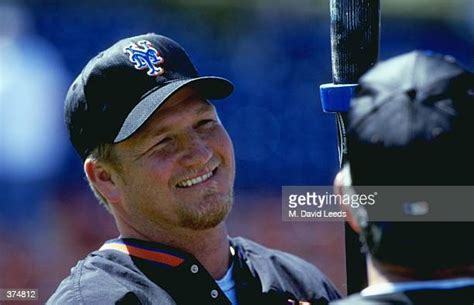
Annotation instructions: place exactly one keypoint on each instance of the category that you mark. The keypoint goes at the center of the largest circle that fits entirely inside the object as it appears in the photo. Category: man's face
(177, 171)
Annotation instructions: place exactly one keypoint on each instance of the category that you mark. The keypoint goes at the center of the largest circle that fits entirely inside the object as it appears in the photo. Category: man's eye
(205, 123)
(163, 141)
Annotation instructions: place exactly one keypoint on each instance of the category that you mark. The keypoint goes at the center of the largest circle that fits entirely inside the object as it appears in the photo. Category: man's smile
(185, 183)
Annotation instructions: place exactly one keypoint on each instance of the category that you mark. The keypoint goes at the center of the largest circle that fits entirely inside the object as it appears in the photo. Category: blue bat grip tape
(336, 98)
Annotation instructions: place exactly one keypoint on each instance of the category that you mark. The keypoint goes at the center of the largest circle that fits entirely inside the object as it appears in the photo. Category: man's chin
(207, 217)
(202, 225)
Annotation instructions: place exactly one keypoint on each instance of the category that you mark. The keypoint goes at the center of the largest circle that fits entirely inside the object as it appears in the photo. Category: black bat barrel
(355, 38)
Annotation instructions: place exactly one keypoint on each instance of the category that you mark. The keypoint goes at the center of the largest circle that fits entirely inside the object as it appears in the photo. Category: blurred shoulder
(278, 266)
(89, 283)
(98, 279)
(261, 253)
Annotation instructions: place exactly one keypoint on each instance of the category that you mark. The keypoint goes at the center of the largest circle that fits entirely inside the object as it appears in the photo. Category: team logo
(145, 56)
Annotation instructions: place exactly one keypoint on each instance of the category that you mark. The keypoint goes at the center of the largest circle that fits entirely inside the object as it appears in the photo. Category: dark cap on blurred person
(410, 124)
(121, 87)
(412, 115)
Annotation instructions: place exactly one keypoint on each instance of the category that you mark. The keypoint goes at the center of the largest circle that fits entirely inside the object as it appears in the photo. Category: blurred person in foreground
(157, 156)
(32, 137)
(410, 125)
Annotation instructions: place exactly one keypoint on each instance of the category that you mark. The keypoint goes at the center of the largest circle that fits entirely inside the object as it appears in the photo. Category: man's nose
(196, 152)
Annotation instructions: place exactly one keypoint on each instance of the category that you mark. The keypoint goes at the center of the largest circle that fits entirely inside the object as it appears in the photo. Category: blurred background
(277, 53)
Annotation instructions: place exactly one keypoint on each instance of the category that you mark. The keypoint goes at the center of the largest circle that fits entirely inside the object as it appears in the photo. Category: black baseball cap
(411, 123)
(411, 115)
(121, 87)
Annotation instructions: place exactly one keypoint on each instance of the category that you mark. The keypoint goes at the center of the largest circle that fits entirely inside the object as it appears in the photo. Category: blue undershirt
(227, 284)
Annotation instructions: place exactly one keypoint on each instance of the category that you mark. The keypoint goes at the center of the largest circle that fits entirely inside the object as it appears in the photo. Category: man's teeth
(190, 182)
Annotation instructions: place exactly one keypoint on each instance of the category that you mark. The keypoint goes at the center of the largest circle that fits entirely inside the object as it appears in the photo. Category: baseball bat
(355, 40)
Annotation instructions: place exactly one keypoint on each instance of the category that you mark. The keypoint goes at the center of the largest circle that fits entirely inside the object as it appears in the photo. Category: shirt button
(194, 269)
(214, 293)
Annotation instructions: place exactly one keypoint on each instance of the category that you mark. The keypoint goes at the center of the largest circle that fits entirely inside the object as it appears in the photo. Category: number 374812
(18, 294)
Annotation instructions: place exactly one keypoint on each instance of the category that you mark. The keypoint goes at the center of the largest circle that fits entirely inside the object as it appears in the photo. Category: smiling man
(157, 156)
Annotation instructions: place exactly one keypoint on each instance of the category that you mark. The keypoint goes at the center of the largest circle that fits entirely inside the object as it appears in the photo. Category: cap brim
(210, 87)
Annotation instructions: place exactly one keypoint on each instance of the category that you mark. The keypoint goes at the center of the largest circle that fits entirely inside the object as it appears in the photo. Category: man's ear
(341, 187)
(103, 178)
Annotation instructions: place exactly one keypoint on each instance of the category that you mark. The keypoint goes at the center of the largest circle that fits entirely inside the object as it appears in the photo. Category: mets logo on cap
(145, 56)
